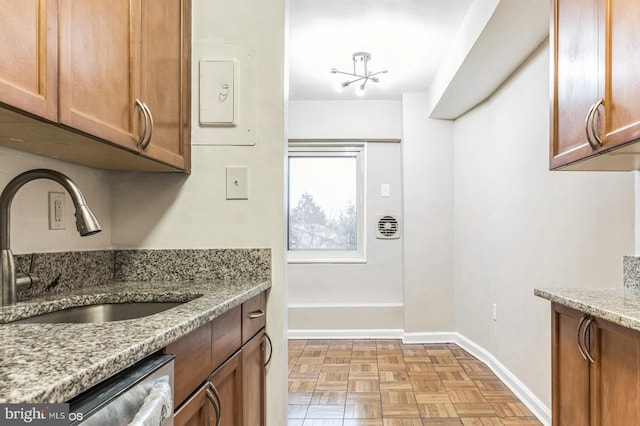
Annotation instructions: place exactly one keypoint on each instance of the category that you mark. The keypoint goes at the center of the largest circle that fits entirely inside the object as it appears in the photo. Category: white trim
(432, 337)
(343, 305)
(341, 141)
(537, 407)
(346, 334)
(326, 260)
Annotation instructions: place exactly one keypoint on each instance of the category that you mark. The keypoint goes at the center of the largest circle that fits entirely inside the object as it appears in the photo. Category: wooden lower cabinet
(570, 385)
(253, 384)
(227, 381)
(604, 391)
(196, 411)
(216, 373)
(615, 376)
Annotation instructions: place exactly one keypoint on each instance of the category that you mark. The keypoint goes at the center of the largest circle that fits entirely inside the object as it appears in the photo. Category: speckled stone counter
(55, 362)
(631, 271)
(618, 305)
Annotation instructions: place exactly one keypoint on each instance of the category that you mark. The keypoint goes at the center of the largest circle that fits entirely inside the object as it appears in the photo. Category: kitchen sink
(103, 312)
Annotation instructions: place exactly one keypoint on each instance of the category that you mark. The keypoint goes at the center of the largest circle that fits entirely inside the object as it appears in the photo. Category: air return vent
(388, 228)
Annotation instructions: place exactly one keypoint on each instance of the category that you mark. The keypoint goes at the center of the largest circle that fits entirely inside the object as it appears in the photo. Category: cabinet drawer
(254, 316)
(192, 362)
(226, 336)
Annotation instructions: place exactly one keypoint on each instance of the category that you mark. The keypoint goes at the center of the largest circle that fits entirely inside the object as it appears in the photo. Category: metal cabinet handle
(256, 314)
(578, 334)
(213, 402)
(217, 395)
(214, 397)
(268, 339)
(585, 330)
(143, 136)
(594, 131)
(148, 141)
(588, 126)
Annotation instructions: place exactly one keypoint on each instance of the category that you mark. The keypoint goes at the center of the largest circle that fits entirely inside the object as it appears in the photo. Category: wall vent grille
(388, 228)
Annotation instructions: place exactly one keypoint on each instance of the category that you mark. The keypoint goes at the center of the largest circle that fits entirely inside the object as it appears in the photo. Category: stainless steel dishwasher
(141, 395)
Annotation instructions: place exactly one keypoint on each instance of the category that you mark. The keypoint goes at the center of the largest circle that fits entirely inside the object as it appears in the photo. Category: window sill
(335, 261)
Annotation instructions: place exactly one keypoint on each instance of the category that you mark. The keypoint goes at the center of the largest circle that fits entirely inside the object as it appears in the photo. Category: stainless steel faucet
(86, 223)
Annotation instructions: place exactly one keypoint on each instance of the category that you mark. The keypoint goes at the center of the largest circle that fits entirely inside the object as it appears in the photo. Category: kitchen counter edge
(79, 356)
(618, 305)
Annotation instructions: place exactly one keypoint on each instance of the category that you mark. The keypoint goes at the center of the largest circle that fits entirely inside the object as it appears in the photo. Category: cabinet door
(227, 380)
(98, 47)
(253, 380)
(615, 375)
(622, 97)
(577, 76)
(196, 411)
(164, 78)
(570, 371)
(29, 46)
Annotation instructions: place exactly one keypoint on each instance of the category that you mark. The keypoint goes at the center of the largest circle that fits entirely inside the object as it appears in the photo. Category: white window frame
(334, 149)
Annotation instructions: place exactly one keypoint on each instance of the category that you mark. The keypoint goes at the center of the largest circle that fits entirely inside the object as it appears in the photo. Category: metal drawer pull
(146, 144)
(266, 336)
(585, 330)
(588, 125)
(143, 136)
(213, 402)
(256, 314)
(594, 131)
(212, 389)
(582, 320)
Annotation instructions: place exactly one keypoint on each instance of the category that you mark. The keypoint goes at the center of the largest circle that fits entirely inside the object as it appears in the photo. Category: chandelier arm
(376, 73)
(358, 79)
(346, 73)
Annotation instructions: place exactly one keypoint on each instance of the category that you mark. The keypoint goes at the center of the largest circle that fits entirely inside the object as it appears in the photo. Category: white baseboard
(540, 410)
(537, 407)
(346, 334)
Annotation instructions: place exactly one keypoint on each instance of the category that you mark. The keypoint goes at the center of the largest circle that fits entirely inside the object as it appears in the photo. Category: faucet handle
(26, 281)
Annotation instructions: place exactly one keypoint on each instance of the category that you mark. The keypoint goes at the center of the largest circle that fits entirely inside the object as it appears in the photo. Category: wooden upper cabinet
(595, 106)
(164, 78)
(28, 68)
(577, 76)
(98, 52)
(116, 73)
(622, 90)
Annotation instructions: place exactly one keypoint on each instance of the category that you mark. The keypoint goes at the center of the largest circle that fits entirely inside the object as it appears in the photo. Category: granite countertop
(55, 362)
(618, 305)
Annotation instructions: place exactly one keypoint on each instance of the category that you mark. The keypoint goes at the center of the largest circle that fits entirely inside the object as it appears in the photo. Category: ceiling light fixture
(366, 75)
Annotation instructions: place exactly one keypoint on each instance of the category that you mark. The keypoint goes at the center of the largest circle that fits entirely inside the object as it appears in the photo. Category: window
(326, 203)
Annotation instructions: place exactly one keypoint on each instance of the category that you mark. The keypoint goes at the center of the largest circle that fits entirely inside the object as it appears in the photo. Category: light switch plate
(237, 182)
(384, 190)
(218, 87)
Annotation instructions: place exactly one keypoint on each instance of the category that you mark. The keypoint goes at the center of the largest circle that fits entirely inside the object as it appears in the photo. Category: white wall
(345, 119)
(29, 211)
(172, 211)
(353, 296)
(519, 226)
(427, 155)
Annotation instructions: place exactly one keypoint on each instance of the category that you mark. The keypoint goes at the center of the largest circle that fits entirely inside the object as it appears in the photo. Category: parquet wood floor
(388, 383)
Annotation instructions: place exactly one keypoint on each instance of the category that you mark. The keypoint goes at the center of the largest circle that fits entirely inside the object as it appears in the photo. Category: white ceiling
(409, 38)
